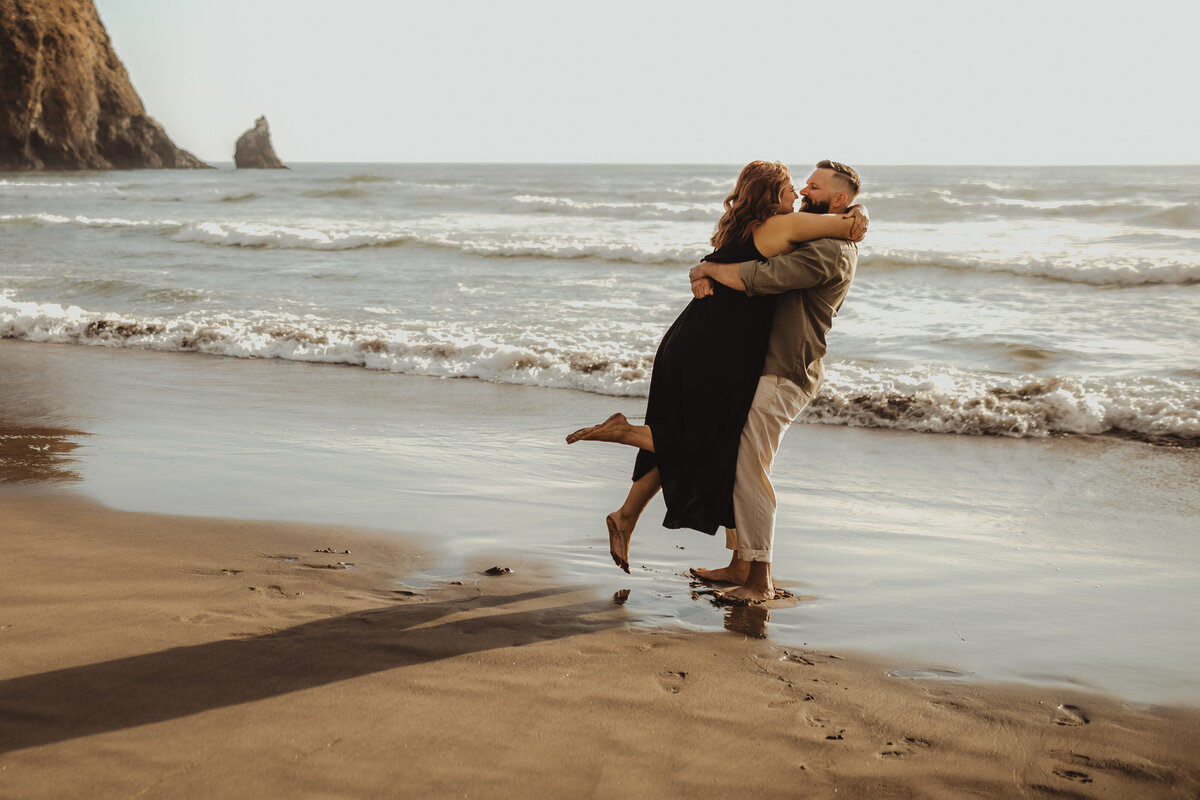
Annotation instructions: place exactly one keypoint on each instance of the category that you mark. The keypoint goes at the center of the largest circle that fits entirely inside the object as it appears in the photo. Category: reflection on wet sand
(748, 620)
(32, 454)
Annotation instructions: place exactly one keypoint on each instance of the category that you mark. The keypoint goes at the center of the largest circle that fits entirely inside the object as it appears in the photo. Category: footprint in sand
(274, 591)
(672, 681)
(1142, 772)
(790, 696)
(815, 721)
(1073, 775)
(1069, 716)
(906, 748)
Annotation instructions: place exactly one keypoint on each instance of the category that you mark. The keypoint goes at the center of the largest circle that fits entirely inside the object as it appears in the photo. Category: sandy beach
(158, 656)
(179, 616)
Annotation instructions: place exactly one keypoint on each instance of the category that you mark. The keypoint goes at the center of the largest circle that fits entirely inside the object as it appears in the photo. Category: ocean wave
(927, 399)
(527, 244)
(341, 193)
(442, 351)
(1184, 215)
(549, 247)
(281, 237)
(239, 197)
(940, 205)
(692, 212)
(366, 177)
(47, 184)
(46, 220)
(1104, 264)
(944, 400)
(1115, 272)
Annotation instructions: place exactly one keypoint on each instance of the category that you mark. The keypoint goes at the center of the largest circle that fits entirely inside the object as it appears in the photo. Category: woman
(707, 367)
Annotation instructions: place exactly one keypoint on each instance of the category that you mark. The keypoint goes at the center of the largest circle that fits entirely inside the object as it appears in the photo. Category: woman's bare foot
(584, 434)
(616, 429)
(618, 540)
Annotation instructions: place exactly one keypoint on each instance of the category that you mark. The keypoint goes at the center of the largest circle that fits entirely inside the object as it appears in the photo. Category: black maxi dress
(705, 375)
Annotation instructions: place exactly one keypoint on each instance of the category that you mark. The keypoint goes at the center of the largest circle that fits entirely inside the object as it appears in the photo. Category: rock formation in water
(66, 101)
(254, 150)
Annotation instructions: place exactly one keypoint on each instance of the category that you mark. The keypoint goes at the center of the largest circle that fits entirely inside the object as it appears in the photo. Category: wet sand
(157, 656)
(973, 617)
(1069, 562)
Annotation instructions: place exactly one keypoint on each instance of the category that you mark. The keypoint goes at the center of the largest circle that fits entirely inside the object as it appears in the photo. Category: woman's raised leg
(622, 521)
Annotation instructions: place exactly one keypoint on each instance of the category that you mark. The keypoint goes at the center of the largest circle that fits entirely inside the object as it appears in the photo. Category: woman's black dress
(705, 374)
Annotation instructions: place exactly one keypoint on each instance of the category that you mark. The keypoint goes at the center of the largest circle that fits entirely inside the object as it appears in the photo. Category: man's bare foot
(618, 541)
(756, 588)
(584, 434)
(737, 572)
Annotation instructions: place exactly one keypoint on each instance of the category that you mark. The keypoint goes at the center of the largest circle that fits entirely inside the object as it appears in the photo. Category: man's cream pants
(777, 402)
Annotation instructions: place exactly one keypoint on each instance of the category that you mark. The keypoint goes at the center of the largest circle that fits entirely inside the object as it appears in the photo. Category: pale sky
(861, 81)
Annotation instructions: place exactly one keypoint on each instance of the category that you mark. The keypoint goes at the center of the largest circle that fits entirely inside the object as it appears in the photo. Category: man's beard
(808, 206)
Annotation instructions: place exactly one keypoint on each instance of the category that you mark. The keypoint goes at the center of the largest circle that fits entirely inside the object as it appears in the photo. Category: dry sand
(152, 656)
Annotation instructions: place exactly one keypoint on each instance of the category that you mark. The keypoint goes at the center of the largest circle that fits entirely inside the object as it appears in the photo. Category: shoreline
(1065, 563)
(139, 659)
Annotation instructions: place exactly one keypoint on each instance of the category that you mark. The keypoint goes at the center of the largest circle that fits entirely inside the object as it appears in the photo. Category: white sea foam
(241, 234)
(421, 348)
(696, 212)
(1116, 271)
(643, 251)
(44, 219)
(946, 400)
(925, 399)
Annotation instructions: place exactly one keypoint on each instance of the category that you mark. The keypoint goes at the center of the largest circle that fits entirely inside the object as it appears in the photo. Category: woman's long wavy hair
(754, 199)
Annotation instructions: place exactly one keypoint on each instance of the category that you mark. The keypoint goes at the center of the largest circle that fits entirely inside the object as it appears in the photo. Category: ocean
(1013, 301)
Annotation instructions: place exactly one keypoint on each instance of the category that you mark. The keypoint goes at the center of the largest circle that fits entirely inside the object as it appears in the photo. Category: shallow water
(1066, 560)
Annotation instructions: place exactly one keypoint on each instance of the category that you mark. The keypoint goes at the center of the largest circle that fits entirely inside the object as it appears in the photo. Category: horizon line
(736, 163)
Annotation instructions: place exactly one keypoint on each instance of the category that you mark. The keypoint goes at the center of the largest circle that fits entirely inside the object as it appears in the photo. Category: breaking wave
(944, 400)
(1117, 272)
(928, 399)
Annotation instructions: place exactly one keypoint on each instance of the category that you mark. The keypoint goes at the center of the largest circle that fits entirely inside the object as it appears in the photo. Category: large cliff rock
(65, 99)
(254, 150)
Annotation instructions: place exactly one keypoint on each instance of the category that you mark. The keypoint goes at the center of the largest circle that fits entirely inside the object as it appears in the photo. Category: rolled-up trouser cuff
(754, 555)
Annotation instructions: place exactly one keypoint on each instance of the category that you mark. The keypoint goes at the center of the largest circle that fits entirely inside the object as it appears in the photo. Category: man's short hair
(847, 174)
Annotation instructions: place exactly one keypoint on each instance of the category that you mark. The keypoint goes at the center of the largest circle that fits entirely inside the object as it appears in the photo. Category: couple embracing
(738, 366)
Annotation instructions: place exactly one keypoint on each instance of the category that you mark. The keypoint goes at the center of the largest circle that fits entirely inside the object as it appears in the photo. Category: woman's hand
(861, 221)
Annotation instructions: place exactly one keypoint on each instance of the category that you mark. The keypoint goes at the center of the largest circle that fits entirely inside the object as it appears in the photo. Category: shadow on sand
(113, 695)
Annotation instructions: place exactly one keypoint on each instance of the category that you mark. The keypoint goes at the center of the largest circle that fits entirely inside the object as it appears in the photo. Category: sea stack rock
(66, 101)
(254, 150)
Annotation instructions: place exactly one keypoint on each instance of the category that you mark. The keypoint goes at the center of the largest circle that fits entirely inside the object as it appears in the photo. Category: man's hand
(858, 228)
(702, 285)
(706, 273)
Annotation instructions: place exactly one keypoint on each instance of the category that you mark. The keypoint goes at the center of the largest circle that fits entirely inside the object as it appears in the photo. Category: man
(812, 282)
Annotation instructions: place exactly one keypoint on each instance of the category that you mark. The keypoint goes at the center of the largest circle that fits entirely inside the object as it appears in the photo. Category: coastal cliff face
(66, 102)
(254, 150)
